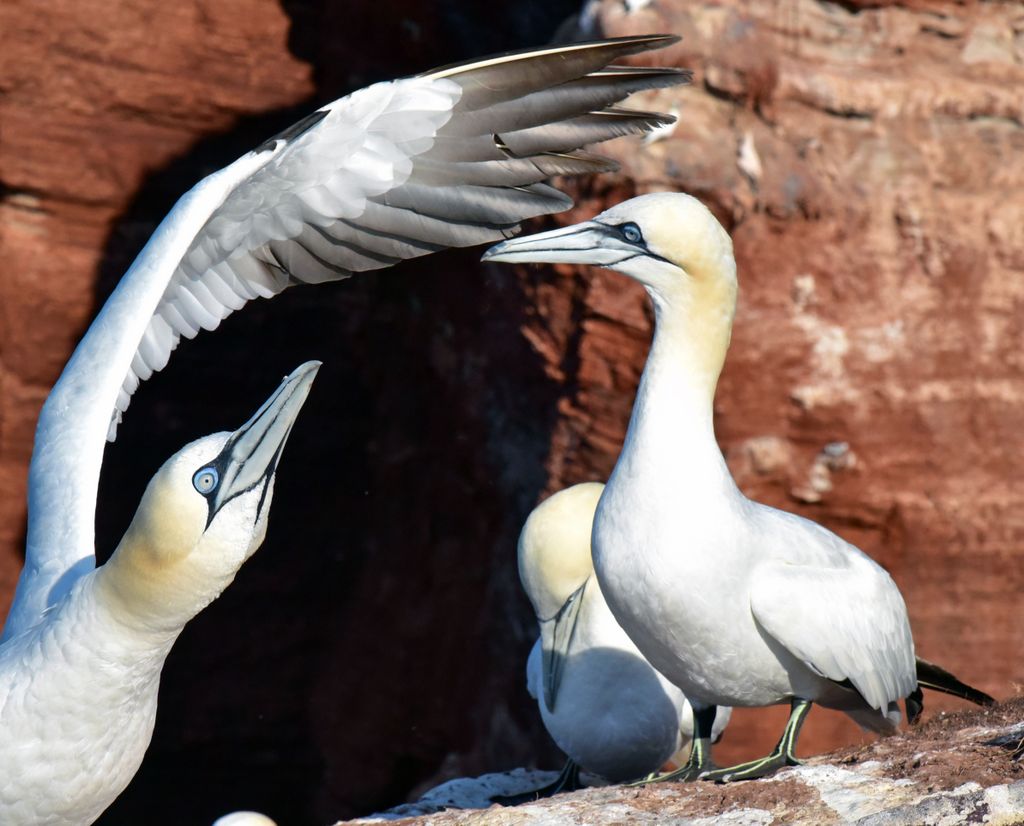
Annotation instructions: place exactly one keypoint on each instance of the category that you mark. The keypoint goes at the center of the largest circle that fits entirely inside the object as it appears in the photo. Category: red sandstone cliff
(869, 163)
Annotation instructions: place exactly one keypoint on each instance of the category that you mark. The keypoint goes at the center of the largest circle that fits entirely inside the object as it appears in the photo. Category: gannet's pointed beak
(588, 243)
(250, 455)
(556, 637)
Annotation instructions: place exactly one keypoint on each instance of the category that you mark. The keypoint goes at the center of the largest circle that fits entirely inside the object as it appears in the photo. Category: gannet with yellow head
(78, 692)
(601, 701)
(737, 603)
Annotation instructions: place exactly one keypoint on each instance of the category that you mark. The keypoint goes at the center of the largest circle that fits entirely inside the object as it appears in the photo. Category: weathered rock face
(867, 162)
(950, 771)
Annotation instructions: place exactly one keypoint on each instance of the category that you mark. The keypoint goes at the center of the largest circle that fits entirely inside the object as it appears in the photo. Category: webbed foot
(699, 760)
(752, 769)
(567, 781)
(782, 755)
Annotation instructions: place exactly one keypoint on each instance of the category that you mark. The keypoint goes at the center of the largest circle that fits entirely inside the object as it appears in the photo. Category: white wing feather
(283, 224)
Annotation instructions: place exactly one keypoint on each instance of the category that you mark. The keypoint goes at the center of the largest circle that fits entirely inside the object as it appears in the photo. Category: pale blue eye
(631, 232)
(205, 480)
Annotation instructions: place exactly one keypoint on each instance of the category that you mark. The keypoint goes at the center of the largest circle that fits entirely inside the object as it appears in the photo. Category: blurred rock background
(868, 158)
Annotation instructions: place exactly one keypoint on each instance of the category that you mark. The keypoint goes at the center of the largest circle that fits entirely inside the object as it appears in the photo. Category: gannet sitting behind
(601, 701)
(78, 691)
(397, 170)
(735, 602)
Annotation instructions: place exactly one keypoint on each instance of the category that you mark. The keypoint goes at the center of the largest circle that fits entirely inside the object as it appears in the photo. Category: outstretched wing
(453, 157)
(845, 623)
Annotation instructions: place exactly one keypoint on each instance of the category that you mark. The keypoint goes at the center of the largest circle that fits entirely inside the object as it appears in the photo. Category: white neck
(93, 630)
(154, 596)
(670, 444)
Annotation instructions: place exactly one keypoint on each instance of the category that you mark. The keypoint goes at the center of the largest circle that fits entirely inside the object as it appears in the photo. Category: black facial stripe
(657, 257)
(629, 227)
(262, 438)
(229, 446)
(210, 513)
(263, 479)
(221, 463)
(266, 479)
(641, 245)
(562, 249)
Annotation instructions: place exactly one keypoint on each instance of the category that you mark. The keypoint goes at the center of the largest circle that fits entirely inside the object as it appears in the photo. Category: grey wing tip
(651, 77)
(606, 164)
(650, 41)
(634, 44)
(684, 75)
(624, 113)
(641, 71)
(662, 75)
(620, 46)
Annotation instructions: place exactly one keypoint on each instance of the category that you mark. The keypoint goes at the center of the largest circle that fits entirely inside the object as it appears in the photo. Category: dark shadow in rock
(378, 638)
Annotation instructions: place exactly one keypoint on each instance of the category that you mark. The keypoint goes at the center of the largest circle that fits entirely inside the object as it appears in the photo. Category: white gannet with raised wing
(601, 701)
(737, 603)
(450, 158)
(78, 691)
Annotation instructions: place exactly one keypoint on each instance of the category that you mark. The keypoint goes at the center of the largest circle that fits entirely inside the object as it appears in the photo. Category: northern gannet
(450, 158)
(78, 690)
(601, 701)
(737, 603)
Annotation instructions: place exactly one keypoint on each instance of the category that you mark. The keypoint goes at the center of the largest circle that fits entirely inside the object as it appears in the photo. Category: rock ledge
(954, 769)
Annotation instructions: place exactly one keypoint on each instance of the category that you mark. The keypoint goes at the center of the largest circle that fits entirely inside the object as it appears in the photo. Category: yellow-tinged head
(669, 242)
(554, 547)
(202, 516)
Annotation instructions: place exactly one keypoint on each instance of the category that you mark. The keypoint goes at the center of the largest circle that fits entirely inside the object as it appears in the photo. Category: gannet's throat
(693, 326)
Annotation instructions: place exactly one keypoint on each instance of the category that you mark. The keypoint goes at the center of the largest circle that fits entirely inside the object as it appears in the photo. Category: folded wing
(846, 623)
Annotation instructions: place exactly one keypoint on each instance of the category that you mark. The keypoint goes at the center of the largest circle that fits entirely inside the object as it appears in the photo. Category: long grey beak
(587, 243)
(250, 455)
(556, 635)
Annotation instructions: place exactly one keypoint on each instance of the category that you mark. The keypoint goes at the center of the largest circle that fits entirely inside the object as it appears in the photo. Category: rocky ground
(956, 769)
